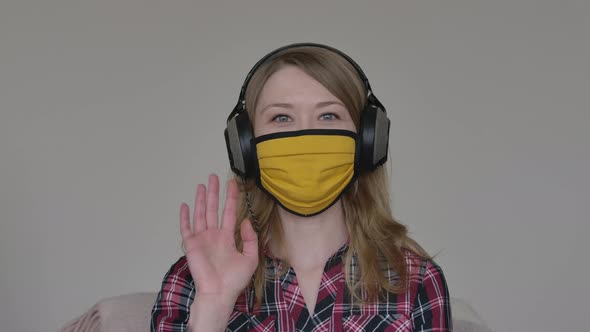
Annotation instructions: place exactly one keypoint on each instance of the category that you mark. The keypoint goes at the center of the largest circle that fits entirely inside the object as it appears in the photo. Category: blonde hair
(376, 238)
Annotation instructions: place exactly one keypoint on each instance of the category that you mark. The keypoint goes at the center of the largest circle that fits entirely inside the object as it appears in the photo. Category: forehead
(292, 85)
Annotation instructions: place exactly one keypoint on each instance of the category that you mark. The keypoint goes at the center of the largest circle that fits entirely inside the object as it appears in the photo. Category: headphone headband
(241, 100)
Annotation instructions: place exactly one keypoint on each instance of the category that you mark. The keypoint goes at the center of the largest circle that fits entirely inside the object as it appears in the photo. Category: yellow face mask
(306, 171)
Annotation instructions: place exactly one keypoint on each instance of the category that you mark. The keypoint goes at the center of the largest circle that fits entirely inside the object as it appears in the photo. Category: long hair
(377, 239)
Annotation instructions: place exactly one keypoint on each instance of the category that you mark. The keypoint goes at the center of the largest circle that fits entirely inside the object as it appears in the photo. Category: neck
(310, 241)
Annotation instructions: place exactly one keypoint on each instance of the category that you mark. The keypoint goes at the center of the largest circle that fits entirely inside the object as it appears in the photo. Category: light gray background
(112, 112)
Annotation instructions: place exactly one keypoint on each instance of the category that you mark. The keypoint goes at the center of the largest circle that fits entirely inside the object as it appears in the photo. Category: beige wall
(112, 111)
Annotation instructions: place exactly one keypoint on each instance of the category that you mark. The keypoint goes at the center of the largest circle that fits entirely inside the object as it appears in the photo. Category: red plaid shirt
(424, 307)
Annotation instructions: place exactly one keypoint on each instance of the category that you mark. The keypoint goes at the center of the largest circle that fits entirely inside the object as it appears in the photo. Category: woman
(307, 240)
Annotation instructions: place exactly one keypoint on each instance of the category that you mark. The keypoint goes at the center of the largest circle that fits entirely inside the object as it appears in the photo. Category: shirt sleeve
(171, 309)
(432, 308)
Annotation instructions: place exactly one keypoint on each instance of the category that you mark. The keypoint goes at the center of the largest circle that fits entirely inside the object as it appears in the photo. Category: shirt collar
(335, 258)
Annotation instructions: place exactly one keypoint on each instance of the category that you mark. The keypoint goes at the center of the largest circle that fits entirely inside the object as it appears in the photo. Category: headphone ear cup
(373, 139)
(239, 140)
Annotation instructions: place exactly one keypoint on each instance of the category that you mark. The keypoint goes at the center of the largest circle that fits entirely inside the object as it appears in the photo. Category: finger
(249, 239)
(185, 223)
(213, 202)
(199, 215)
(228, 221)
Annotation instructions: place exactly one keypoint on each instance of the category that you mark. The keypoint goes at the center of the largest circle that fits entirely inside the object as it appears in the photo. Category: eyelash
(336, 117)
(274, 119)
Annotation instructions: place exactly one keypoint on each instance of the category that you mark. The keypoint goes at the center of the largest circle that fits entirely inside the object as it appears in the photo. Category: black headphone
(373, 135)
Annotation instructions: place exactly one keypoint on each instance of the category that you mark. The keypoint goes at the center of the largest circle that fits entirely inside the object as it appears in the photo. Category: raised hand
(216, 265)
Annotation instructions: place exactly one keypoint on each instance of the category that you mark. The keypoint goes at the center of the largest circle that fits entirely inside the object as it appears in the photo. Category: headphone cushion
(239, 139)
(374, 139)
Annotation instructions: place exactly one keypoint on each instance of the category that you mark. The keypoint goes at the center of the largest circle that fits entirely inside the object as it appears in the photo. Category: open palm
(216, 265)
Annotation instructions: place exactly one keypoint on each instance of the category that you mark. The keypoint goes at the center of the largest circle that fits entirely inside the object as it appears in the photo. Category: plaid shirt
(424, 307)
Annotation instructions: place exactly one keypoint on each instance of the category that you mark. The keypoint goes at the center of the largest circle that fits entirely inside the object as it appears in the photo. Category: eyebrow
(290, 106)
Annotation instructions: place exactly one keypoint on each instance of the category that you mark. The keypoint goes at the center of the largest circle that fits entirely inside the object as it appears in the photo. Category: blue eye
(328, 116)
(281, 118)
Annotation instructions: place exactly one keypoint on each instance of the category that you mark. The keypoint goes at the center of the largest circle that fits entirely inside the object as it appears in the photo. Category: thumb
(249, 239)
